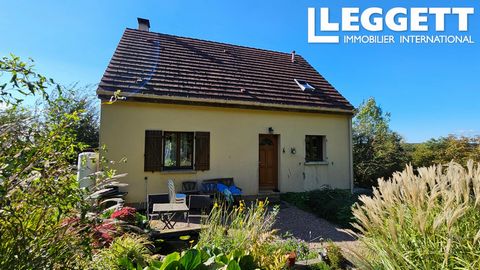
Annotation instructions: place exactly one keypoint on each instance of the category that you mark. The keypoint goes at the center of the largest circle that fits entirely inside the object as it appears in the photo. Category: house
(191, 109)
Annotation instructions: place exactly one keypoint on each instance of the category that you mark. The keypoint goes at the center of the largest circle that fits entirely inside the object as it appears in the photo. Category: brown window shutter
(153, 150)
(202, 151)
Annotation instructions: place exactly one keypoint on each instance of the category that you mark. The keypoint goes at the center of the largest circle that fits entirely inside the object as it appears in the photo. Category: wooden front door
(268, 161)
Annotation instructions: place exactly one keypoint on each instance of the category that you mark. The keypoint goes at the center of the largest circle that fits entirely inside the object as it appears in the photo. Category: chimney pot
(143, 24)
(293, 56)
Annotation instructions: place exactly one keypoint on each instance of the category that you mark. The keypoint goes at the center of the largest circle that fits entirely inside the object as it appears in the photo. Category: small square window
(304, 85)
(314, 148)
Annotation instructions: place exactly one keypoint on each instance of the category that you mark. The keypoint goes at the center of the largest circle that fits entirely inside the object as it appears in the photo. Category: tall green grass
(429, 219)
(246, 229)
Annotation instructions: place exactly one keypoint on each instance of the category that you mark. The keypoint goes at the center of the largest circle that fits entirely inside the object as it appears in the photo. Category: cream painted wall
(233, 145)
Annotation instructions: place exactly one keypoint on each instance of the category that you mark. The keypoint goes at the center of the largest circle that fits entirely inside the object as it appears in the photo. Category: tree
(38, 189)
(84, 102)
(377, 150)
(445, 149)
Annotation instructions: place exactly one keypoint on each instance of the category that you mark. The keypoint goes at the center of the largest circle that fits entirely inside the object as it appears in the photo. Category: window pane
(170, 157)
(186, 149)
(314, 148)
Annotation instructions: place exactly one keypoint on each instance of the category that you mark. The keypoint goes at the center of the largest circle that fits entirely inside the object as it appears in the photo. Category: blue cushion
(221, 187)
(235, 190)
(180, 196)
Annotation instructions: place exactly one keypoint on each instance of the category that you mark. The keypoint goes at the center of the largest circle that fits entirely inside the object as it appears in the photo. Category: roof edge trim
(203, 101)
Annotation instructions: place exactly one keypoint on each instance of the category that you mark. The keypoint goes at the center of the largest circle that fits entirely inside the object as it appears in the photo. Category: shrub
(246, 229)
(319, 266)
(334, 256)
(128, 251)
(201, 259)
(104, 233)
(126, 214)
(39, 192)
(429, 220)
(106, 214)
(331, 204)
(288, 244)
(141, 220)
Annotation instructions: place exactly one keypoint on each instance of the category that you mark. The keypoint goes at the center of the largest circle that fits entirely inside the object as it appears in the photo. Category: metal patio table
(167, 211)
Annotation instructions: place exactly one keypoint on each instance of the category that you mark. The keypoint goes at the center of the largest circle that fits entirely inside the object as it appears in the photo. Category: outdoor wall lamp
(293, 150)
(270, 130)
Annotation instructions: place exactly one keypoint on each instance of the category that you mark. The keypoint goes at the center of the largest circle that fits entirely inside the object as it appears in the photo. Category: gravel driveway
(301, 223)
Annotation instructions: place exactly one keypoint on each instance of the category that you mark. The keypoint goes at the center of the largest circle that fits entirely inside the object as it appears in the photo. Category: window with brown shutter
(202, 151)
(177, 150)
(153, 150)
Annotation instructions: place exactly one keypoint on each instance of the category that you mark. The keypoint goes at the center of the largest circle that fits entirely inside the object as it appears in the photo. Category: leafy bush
(245, 229)
(201, 259)
(126, 214)
(444, 149)
(128, 251)
(46, 220)
(319, 266)
(107, 213)
(334, 256)
(331, 204)
(288, 244)
(40, 225)
(377, 150)
(141, 220)
(424, 220)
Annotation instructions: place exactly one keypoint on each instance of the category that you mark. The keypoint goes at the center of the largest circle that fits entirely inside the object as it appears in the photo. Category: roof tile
(165, 65)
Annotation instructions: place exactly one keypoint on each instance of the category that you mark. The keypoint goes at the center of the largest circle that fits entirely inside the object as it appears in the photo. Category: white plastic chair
(173, 195)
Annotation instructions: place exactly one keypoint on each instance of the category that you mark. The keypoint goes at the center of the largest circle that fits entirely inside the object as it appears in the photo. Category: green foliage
(331, 204)
(377, 151)
(423, 219)
(244, 229)
(445, 149)
(39, 195)
(106, 214)
(83, 102)
(288, 244)
(23, 81)
(128, 251)
(141, 220)
(204, 259)
(334, 256)
(319, 266)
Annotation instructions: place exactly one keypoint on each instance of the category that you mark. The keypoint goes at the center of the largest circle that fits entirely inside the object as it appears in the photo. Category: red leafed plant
(126, 214)
(104, 234)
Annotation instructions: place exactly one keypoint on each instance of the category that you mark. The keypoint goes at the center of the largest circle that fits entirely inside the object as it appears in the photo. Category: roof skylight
(304, 85)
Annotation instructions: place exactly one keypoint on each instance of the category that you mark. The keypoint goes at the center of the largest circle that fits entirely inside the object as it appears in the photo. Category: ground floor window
(314, 148)
(178, 150)
(174, 150)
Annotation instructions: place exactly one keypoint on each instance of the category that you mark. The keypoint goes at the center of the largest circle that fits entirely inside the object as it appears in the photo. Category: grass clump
(424, 220)
(334, 256)
(129, 251)
(244, 229)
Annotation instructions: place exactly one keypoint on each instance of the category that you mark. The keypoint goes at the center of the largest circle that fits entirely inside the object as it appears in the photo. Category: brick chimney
(143, 24)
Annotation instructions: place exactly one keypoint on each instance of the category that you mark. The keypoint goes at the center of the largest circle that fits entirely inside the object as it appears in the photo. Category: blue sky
(430, 90)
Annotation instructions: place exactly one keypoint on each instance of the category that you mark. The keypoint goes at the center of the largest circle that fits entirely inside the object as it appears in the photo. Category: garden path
(300, 223)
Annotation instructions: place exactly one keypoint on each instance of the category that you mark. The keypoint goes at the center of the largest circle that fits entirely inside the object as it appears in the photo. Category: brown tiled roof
(147, 64)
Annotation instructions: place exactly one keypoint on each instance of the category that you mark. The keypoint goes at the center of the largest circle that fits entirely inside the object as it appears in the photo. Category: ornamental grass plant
(244, 229)
(423, 219)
